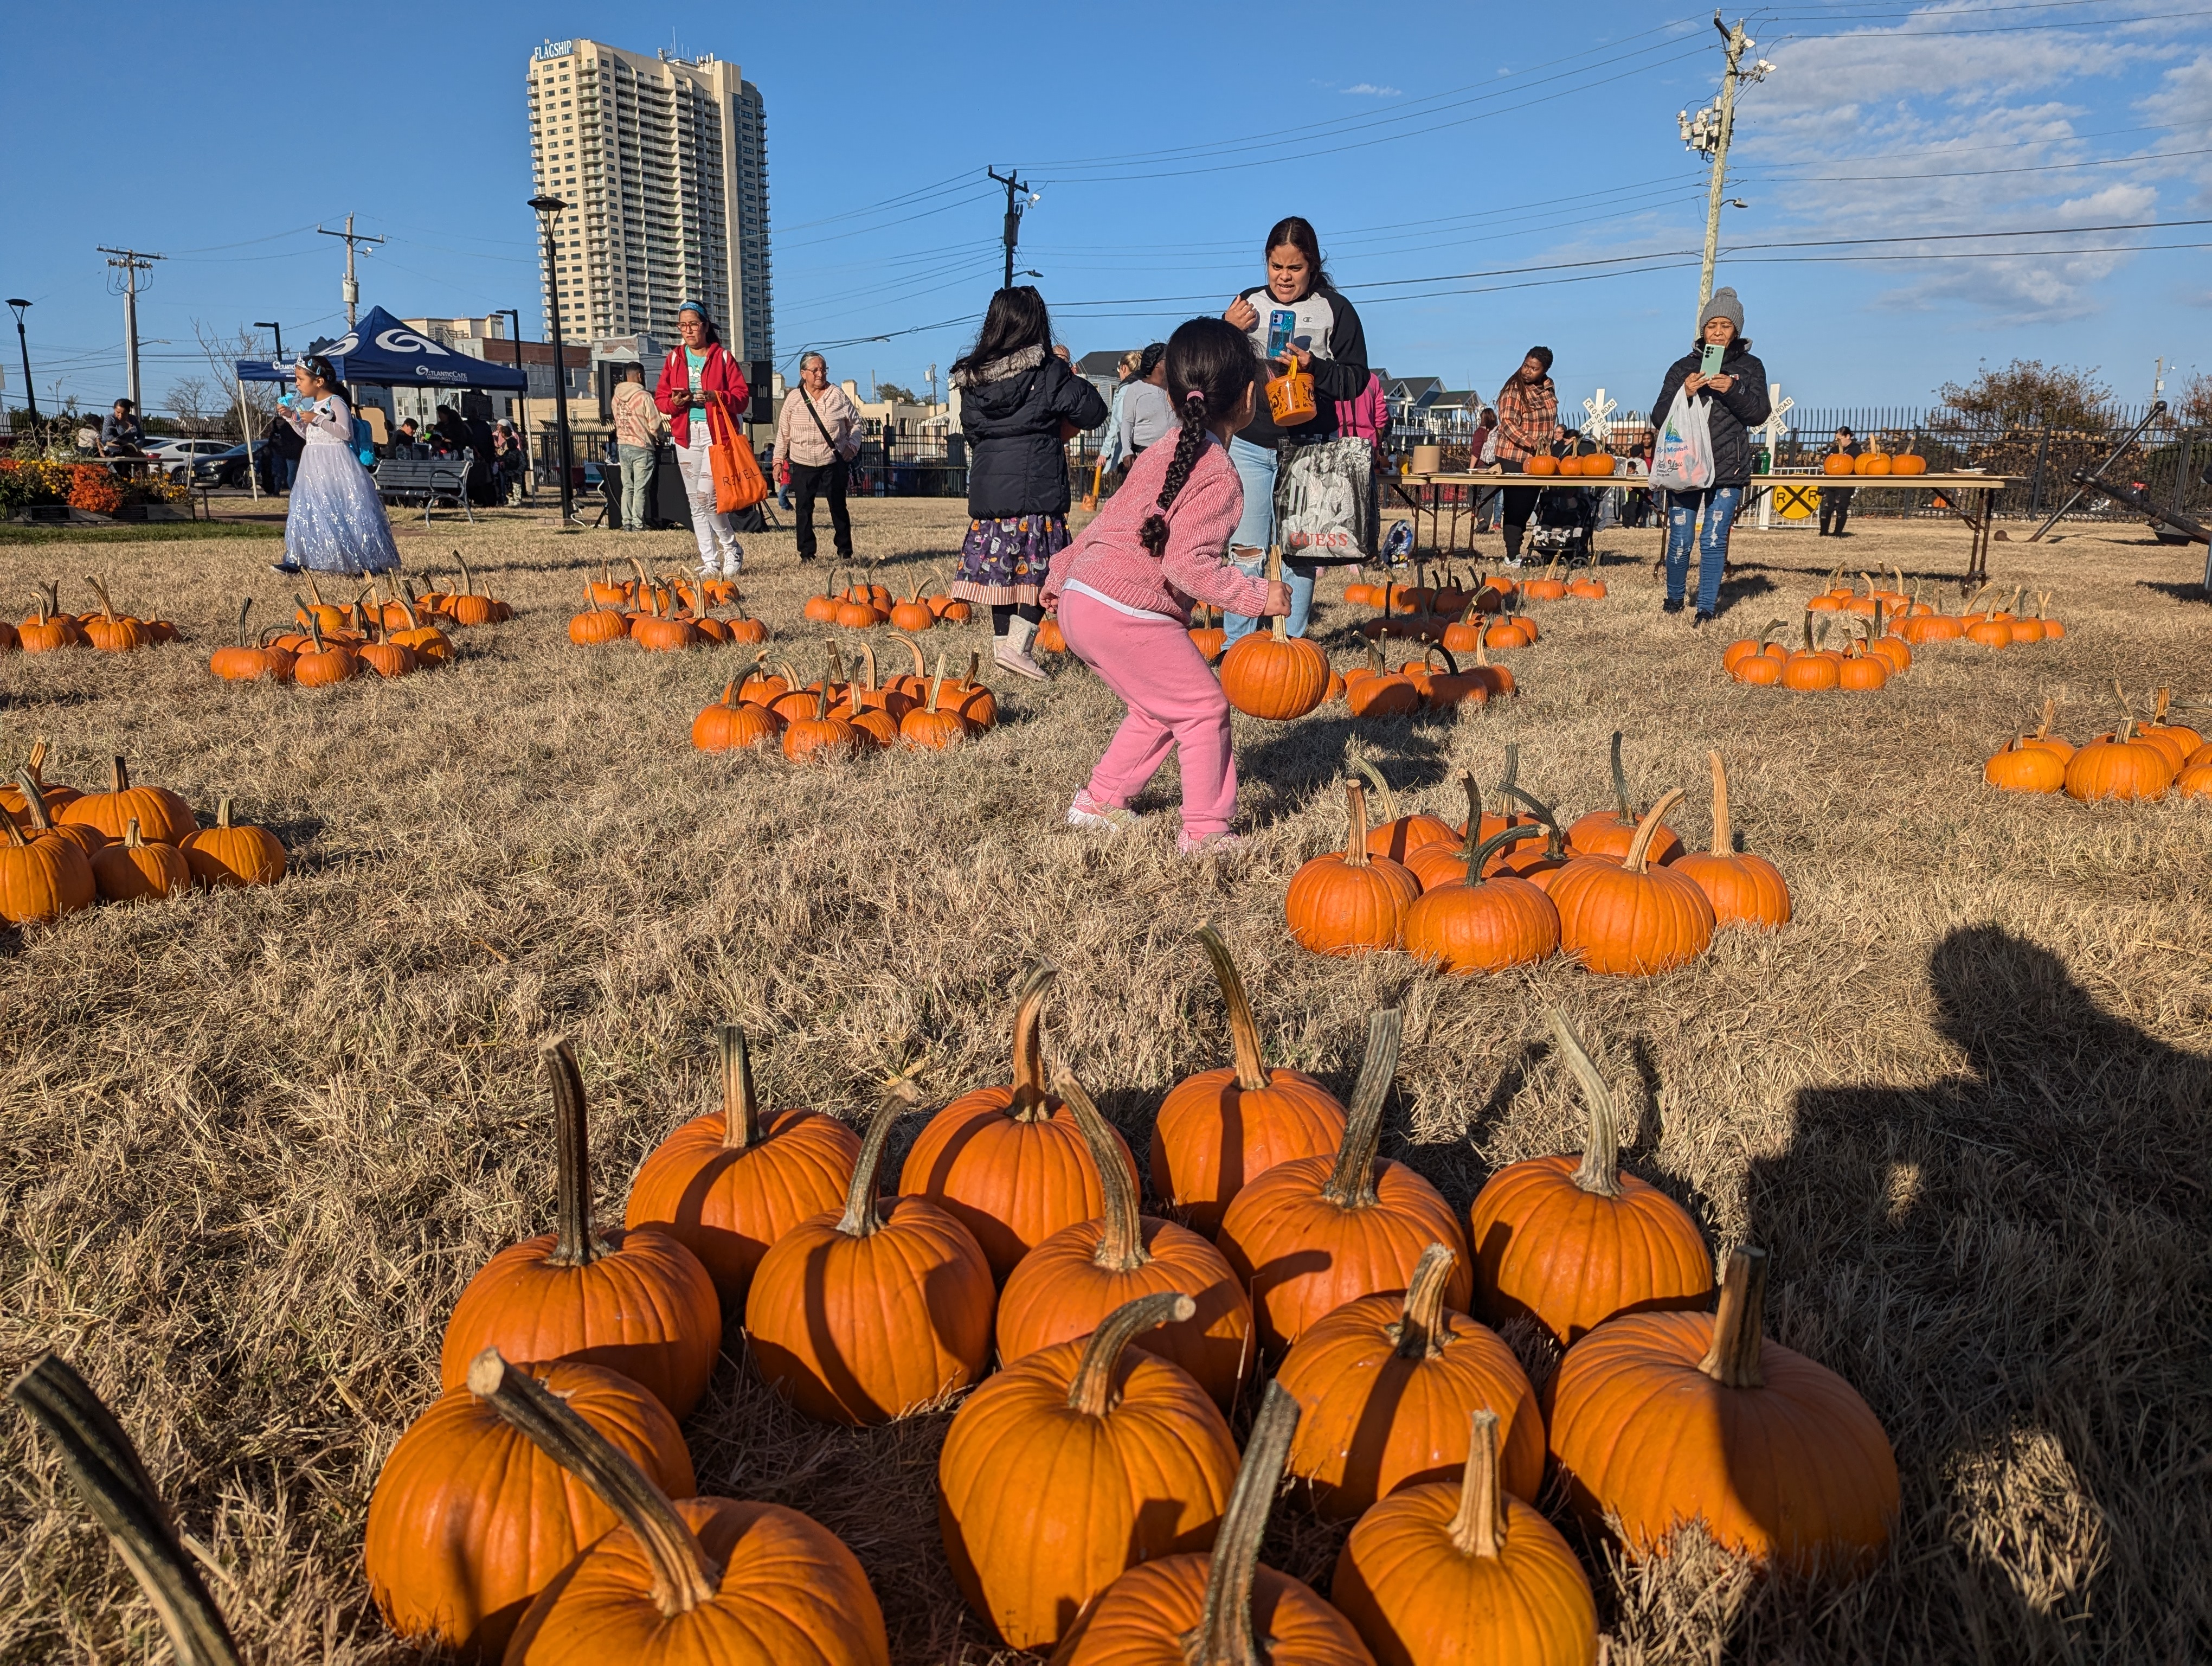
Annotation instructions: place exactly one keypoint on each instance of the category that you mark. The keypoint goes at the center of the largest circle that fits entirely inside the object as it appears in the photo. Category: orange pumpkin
(1399, 836)
(732, 724)
(1570, 1243)
(1658, 1419)
(1274, 675)
(932, 725)
(1352, 904)
(1062, 1289)
(161, 814)
(1743, 888)
(862, 1317)
(2113, 766)
(132, 869)
(639, 1303)
(728, 1184)
(1837, 462)
(1611, 832)
(1384, 1385)
(42, 878)
(823, 735)
(1314, 1233)
(1467, 1565)
(2020, 766)
(1074, 1463)
(1221, 1129)
(1630, 919)
(1541, 465)
(1009, 1163)
(232, 853)
(1470, 923)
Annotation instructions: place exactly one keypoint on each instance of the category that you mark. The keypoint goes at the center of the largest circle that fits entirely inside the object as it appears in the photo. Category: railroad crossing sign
(1599, 411)
(1790, 501)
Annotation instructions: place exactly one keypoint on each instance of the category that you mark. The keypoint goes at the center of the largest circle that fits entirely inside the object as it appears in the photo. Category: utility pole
(352, 288)
(131, 263)
(1013, 234)
(19, 307)
(1709, 132)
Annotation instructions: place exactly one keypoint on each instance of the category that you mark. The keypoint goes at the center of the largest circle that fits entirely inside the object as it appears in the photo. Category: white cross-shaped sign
(1771, 431)
(1599, 411)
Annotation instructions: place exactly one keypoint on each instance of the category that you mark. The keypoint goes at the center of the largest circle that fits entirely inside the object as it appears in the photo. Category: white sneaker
(1209, 844)
(1087, 811)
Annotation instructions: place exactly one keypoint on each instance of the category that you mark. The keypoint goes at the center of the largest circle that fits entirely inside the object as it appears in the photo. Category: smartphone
(1708, 363)
(1281, 322)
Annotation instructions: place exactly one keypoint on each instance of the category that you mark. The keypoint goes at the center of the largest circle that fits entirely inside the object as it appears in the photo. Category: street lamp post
(278, 330)
(546, 207)
(514, 315)
(20, 306)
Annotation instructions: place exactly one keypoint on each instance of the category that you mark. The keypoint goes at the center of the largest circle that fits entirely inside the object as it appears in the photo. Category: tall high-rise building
(663, 162)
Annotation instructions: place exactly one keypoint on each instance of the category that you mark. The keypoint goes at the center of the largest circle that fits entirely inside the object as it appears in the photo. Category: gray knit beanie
(1723, 304)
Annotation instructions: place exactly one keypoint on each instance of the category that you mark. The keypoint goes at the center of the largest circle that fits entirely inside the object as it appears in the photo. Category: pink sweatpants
(1173, 700)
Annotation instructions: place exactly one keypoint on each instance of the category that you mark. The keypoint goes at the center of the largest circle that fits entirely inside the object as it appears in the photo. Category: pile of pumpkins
(1616, 890)
(1918, 623)
(837, 716)
(1091, 1499)
(66, 850)
(863, 605)
(1874, 460)
(1596, 464)
(46, 629)
(2137, 761)
(664, 617)
(1489, 615)
(326, 644)
(1867, 659)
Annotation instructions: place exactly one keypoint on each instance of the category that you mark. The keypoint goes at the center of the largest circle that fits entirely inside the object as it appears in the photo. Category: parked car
(178, 457)
(226, 468)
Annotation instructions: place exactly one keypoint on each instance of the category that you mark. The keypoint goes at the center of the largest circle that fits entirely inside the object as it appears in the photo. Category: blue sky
(1484, 178)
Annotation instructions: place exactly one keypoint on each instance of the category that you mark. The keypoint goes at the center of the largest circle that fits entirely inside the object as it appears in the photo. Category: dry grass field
(256, 1142)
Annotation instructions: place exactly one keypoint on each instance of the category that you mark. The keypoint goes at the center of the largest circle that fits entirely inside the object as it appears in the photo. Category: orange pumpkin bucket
(1290, 399)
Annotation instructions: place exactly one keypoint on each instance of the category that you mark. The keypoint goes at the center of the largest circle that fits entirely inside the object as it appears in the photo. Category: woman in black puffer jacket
(1736, 401)
(1019, 406)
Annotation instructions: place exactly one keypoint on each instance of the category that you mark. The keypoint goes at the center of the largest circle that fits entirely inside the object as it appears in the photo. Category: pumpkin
(660, 633)
(913, 614)
(42, 878)
(863, 1316)
(161, 814)
(1658, 1419)
(742, 629)
(731, 724)
(894, 698)
(1050, 637)
(109, 631)
(1074, 1463)
(2053, 629)
(1451, 1573)
(35, 815)
(932, 725)
(1315, 1232)
(2042, 737)
(387, 658)
(1384, 1386)
(321, 664)
(468, 608)
(105, 1470)
(2114, 766)
(2185, 739)
(1837, 462)
(1464, 922)
(234, 854)
(17, 795)
(1398, 837)
(728, 1184)
(1009, 1163)
(1591, 589)
(875, 727)
(244, 661)
(1569, 1242)
(1222, 1608)
(1747, 648)
(1744, 889)
(1541, 465)
(49, 628)
(127, 871)
(1378, 691)
(1208, 635)
(1352, 904)
(425, 641)
(1538, 868)
(2020, 766)
(823, 735)
(1547, 587)
(696, 1580)
(599, 622)
(1273, 674)
(1221, 1129)
(972, 698)
(1871, 461)
(1809, 670)
(1066, 1286)
(1630, 919)
(470, 1520)
(1611, 832)
(638, 1302)
(821, 609)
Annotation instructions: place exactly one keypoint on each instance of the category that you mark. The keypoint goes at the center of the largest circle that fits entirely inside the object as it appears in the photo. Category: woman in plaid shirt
(1527, 411)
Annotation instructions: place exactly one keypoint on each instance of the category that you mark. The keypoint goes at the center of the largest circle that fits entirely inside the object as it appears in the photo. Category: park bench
(404, 479)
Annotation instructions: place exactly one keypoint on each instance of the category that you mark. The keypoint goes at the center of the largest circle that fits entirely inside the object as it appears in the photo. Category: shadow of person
(2013, 1265)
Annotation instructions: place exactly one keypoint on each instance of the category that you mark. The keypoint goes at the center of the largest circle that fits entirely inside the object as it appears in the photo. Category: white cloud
(1369, 90)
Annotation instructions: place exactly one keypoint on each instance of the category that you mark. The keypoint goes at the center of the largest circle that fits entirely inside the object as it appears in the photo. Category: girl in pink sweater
(1124, 589)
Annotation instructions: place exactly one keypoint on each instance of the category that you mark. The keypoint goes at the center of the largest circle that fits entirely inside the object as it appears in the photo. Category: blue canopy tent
(383, 352)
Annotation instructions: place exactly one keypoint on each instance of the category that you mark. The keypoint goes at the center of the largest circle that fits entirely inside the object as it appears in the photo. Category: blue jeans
(1719, 504)
(1255, 471)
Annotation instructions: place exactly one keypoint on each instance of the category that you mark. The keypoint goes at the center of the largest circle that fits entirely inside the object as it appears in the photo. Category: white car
(176, 457)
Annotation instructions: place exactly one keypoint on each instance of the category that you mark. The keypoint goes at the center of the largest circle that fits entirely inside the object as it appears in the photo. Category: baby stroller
(1565, 520)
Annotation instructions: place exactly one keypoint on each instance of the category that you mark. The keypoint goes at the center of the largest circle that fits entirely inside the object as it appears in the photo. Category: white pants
(717, 543)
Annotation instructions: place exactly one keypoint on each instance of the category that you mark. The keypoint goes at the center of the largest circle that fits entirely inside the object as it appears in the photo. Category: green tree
(892, 393)
(2028, 392)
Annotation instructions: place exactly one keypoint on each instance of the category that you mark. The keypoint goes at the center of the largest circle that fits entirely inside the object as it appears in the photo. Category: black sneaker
(1672, 604)
(284, 567)
(1700, 617)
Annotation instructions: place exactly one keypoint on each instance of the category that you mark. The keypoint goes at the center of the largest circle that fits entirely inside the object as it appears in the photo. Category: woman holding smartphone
(1721, 374)
(1296, 319)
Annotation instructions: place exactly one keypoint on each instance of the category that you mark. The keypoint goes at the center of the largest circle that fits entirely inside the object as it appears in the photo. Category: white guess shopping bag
(1682, 456)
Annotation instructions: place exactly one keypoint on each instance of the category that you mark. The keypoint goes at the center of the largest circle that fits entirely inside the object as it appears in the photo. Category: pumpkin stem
(1243, 1031)
(1029, 1104)
(1389, 800)
(1122, 1240)
(1648, 829)
(1350, 1182)
(104, 1467)
(34, 801)
(132, 839)
(1224, 1637)
(740, 1108)
(119, 773)
(1479, 1529)
(1600, 1171)
(1723, 835)
(1092, 1391)
(1355, 850)
(1733, 1360)
(2159, 701)
(1422, 1330)
(223, 810)
(245, 608)
(573, 1243)
(1621, 781)
(683, 1575)
(1511, 778)
(1555, 838)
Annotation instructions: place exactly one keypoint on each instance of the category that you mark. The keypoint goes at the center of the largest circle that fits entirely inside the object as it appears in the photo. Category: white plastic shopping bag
(1682, 458)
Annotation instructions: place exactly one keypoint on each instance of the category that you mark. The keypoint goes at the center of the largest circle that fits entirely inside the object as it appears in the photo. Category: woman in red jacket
(704, 395)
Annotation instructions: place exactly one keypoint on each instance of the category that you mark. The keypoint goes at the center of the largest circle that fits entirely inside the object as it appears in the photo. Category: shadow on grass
(2193, 590)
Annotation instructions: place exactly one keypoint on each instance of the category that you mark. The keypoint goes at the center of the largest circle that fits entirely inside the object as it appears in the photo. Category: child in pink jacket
(1124, 588)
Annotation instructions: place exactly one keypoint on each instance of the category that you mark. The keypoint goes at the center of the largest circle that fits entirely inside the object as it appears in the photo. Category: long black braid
(1188, 440)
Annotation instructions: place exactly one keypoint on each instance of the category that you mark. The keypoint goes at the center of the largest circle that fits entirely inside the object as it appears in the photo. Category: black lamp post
(546, 207)
(514, 315)
(276, 330)
(22, 341)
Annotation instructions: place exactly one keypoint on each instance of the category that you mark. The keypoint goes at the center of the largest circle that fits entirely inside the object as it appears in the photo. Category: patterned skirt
(1003, 563)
